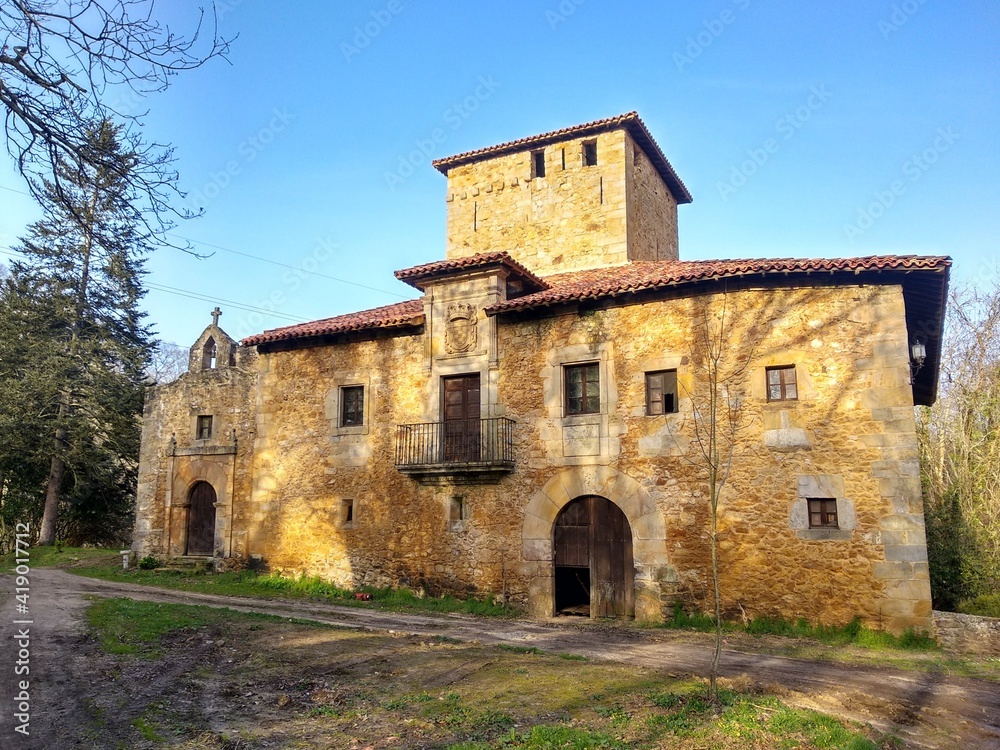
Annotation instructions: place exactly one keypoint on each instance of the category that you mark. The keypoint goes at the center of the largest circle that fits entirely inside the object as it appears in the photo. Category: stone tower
(593, 195)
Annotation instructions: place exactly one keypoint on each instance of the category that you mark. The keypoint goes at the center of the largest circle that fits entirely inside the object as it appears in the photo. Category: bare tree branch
(60, 62)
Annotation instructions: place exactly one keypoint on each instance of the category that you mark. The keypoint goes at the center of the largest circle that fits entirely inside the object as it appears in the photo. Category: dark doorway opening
(572, 591)
(593, 566)
(201, 520)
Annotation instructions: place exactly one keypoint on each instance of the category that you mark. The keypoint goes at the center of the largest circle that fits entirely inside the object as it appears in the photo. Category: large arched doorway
(594, 573)
(201, 520)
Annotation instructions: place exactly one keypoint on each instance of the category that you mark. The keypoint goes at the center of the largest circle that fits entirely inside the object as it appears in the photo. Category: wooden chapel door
(201, 520)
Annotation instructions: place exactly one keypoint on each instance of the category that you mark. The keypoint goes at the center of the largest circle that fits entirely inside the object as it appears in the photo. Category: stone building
(534, 424)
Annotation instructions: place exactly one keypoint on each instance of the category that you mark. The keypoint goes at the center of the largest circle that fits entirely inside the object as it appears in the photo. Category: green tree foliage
(73, 354)
(960, 454)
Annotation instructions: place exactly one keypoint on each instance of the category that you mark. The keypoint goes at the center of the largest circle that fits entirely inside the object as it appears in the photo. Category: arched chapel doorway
(593, 566)
(201, 520)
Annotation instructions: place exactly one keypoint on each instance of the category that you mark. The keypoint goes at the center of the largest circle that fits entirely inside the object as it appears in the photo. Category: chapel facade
(535, 425)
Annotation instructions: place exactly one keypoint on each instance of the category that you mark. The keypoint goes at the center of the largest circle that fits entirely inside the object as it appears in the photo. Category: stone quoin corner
(528, 426)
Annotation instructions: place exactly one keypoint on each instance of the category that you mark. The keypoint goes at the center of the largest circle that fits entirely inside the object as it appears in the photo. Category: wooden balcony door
(460, 396)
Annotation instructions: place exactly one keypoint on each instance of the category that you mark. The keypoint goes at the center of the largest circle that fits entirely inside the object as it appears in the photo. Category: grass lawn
(106, 565)
(275, 682)
(849, 644)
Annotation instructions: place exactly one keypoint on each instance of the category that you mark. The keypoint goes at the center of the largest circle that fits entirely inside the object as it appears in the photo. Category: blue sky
(837, 129)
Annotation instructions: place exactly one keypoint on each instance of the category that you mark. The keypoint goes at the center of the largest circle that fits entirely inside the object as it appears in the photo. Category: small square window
(583, 388)
(346, 512)
(204, 428)
(352, 406)
(537, 164)
(590, 154)
(823, 513)
(457, 512)
(661, 392)
(781, 384)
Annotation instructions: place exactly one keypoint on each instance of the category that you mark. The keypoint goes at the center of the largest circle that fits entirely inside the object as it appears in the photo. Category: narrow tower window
(590, 154)
(457, 512)
(346, 513)
(537, 163)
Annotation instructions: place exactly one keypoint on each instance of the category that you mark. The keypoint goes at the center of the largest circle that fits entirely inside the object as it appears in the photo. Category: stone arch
(649, 534)
(186, 475)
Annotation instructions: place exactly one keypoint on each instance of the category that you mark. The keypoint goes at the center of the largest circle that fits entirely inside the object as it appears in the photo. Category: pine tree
(75, 345)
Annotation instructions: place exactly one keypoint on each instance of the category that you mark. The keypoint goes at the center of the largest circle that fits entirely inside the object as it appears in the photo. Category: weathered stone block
(792, 438)
(903, 521)
(535, 528)
(906, 553)
(917, 590)
(821, 485)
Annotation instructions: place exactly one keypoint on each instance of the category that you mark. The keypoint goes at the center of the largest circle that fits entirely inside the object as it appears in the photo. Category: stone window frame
(203, 427)
(334, 403)
(589, 153)
(537, 157)
(554, 381)
(821, 506)
(823, 487)
(348, 513)
(567, 369)
(782, 384)
(457, 512)
(343, 403)
(553, 393)
(672, 371)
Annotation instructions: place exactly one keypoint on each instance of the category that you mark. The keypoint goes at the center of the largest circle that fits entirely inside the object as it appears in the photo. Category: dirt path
(926, 710)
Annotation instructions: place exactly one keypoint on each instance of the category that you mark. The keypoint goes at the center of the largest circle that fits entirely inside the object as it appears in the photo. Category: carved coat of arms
(460, 332)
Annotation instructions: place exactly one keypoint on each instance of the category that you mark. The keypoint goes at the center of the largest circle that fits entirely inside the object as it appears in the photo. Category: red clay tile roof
(642, 275)
(593, 284)
(415, 275)
(399, 315)
(630, 121)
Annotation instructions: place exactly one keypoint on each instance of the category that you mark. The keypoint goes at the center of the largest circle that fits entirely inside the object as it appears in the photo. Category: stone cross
(215, 316)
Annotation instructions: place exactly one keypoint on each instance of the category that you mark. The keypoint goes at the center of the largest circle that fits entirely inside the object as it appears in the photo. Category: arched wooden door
(593, 559)
(201, 520)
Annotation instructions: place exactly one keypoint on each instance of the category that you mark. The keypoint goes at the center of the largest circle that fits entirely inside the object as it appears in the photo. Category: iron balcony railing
(476, 443)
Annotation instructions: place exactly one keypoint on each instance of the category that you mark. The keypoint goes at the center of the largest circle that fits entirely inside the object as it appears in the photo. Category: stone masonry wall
(573, 218)
(172, 459)
(652, 210)
(850, 436)
(968, 634)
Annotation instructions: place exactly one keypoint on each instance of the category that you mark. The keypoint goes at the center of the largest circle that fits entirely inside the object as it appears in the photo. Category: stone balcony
(464, 451)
